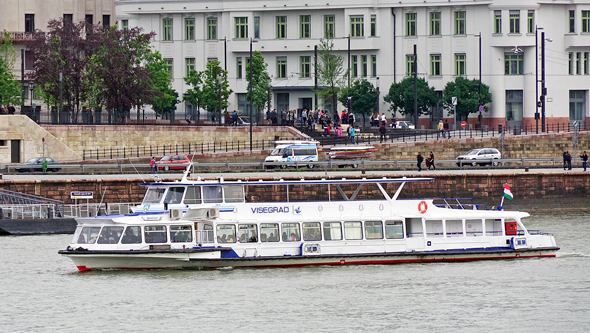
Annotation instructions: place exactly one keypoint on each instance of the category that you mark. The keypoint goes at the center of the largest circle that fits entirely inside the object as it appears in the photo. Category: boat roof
(302, 181)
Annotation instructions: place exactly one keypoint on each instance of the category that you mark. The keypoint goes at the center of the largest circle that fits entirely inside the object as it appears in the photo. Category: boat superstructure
(211, 223)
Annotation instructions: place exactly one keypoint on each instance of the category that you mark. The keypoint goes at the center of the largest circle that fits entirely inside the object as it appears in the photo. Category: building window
(530, 22)
(435, 24)
(497, 21)
(239, 67)
(513, 105)
(190, 65)
(305, 26)
(281, 27)
(211, 28)
(354, 66)
(514, 21)
(189, 28)
(577, 105)
(357, 26)
(373, 65)
(373, 25)
(578, 63)
(586, 21)
(513, 64)
(460, 28)
(409, 64)
(586, 62)
(411, 24)
(90, 19)
(256, 27)
(69, 17)
(571, 63)
(241, 25)
(124, 24)
(170, 63)
(435, 69)
(572, 21)
(167, 29)
(329, 26)
(460, 64)
(29, 22)
(364, 66)
(106, 20)
(305, 66)
(281, 67)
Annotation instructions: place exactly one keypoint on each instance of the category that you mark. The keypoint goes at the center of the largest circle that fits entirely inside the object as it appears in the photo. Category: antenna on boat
(100, 204)
(188, 167)
(133, 165)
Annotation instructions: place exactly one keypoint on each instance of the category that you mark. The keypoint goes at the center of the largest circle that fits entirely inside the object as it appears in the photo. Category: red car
(173, 162)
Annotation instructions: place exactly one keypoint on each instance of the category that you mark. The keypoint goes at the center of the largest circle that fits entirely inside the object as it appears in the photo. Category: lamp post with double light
(537, 102)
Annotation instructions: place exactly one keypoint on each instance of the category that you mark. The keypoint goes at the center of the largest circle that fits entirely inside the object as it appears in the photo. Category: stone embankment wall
(532, 185)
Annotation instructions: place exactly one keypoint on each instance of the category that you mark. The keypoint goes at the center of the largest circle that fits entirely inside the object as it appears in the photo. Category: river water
(40, 291)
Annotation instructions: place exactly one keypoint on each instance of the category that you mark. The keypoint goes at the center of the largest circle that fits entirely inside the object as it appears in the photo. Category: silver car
(480, 156)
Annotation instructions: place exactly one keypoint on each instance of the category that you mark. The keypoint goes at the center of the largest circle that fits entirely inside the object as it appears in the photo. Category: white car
(404, 124)
(480, 156)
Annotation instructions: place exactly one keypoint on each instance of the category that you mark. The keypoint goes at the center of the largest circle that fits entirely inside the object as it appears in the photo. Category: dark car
(38, 161)
(173, 162)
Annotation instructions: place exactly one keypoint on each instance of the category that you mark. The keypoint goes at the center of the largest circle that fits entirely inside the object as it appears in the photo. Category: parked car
(173, 162)
(38, 161)
(404, 124)
(480, 156)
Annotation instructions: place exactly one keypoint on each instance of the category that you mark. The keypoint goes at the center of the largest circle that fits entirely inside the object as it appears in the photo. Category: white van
(293, 151)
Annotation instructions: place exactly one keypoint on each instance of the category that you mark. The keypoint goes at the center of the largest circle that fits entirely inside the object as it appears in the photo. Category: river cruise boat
(216, 223)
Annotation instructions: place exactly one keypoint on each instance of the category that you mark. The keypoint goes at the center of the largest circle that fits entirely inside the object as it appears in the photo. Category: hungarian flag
(507, 193)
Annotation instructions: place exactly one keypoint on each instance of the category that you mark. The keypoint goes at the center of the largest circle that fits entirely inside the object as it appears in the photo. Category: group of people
(377, 120)
(8, 109)
(429, 161)
(443, 129)
(567, 160)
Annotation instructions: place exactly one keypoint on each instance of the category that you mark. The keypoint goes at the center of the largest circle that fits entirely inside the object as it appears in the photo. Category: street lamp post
(31, 88)
(378, 92)
(220, 81)
(543, 89)
(537, 79)
(250, 91)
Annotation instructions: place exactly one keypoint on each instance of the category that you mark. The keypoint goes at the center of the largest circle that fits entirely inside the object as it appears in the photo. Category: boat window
(290, 232)
(212, 194)
(434, 228)
(233, 193)
(374, 229)
(110, 235)
(494, 227)
(132, 235)
(394, 230)
(332, 231)
(193, 195)
(88, 235)
(269, 232)
(181, 233)
(353, 230)
(155, 234)
(247, 233)
(473, 228)
(454, 228)
(153, 195)
(174, 195)
(226, 233)
(414, 227)
(312, 231)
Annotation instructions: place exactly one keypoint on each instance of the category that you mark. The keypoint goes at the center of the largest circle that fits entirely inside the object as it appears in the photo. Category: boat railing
(96, 209)
(458, 203)
(31, 211)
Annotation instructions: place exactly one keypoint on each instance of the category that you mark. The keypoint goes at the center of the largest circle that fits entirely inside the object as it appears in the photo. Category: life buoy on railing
(422, 207)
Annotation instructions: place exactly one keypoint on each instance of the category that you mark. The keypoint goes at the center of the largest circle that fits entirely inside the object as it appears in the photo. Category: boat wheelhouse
(211, 224)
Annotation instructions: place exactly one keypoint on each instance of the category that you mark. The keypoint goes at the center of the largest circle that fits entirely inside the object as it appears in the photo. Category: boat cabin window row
(461, 228)
(190, 195)
(153, 234)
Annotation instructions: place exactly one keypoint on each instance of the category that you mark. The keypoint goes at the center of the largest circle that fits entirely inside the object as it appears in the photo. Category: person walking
(568, 160)
(431, 161)
(446, 133)
(352, 133)
(153, 165)
(11, 109)
(382, 132)
(584, 158)
(441, 128)
(419, 159)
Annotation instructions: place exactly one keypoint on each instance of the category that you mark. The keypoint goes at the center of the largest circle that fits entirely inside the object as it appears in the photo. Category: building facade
(22, 17)
(380, 36)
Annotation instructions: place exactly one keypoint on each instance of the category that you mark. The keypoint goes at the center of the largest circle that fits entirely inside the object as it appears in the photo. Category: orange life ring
(422, 207)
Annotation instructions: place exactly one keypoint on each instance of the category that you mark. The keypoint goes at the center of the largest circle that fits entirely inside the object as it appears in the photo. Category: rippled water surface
(43, 292)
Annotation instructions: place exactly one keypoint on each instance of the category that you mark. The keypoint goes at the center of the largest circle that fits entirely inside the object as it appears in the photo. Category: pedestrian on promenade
(382, 132)
(11, 109)
(441, 128)
(431, 161)
(584, 158)
(446, 133)
(352, 133)
(153, 165)
(419, 159)
(568, 160)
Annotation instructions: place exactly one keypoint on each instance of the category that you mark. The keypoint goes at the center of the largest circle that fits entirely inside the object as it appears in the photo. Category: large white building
(382, 38)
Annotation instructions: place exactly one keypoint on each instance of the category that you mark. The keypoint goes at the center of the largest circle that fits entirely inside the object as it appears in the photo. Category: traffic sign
(454, 100)
(463, 124)
(81, 195)
(481, 108)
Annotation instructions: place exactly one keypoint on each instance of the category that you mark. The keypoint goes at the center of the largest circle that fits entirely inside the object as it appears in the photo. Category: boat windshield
(153, 195)
(278, 152)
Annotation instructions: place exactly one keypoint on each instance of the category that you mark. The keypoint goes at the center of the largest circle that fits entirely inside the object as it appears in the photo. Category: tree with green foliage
(194, 95)
(163, 102)
(363, 97)
(10, 88)
(261, 88)
(401, 97)
(215, 87)
(331, 72)
(468, 96)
